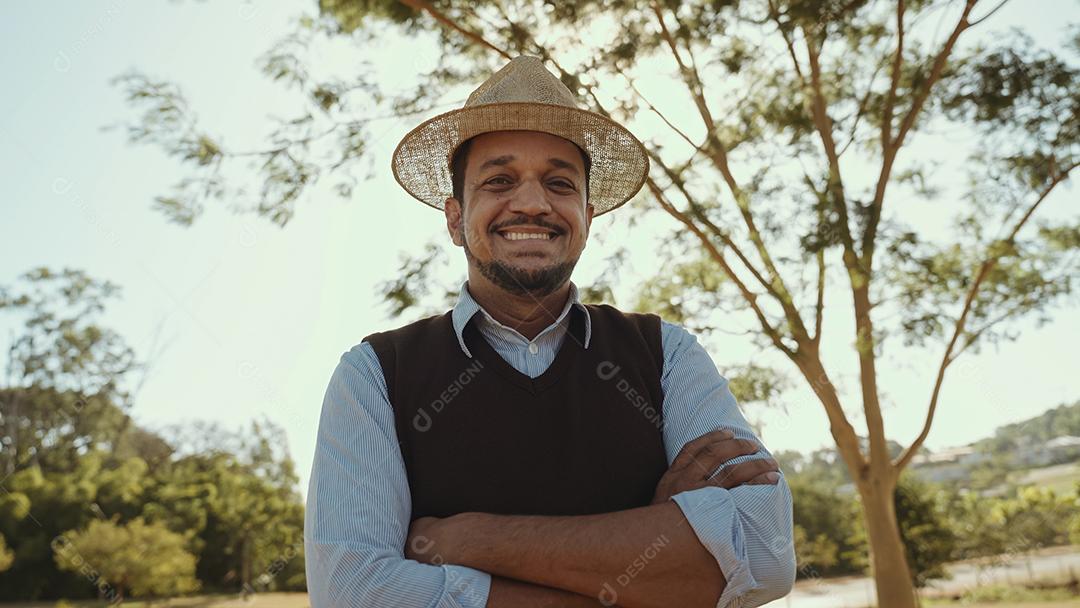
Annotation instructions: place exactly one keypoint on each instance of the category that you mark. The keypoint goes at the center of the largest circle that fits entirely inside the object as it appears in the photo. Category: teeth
(520, 236)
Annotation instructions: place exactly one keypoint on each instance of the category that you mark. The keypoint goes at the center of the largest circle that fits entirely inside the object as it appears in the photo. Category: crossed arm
(648, 556)
(704, 537)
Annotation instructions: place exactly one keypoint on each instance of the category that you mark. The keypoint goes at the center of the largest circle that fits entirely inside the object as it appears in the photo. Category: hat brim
(620, 163)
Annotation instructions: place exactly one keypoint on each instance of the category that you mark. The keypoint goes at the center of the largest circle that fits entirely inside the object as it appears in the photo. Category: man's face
(525, 220)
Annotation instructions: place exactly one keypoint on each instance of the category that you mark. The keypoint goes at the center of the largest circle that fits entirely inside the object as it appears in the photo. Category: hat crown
(524, 79)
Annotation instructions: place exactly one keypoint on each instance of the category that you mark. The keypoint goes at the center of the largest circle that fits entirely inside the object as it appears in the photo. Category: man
(525, 449)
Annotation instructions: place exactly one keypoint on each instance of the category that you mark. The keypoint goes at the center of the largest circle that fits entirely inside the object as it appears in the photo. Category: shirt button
(533, 348)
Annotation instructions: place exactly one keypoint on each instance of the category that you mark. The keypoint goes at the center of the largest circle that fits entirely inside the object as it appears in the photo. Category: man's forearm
(509, 593)
(647, 556)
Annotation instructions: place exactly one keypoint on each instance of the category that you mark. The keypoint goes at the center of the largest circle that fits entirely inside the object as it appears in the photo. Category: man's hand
(699, 458)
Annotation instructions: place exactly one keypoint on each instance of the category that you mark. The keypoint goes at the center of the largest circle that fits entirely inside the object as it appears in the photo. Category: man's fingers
(718, 452)
(744, 472)
(771, 478)
(692, 468)
(688, 453)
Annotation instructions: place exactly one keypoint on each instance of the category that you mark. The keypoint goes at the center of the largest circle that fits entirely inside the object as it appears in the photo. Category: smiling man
(526, 449)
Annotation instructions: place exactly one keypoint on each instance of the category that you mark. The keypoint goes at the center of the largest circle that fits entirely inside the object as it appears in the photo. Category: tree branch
(690, 78)
(751, 298)
(656, 111)
(717, 153)
(823, 125)
(819, 304)
(958, 330)
(847, 441)
(858, 275)
(422, 6)
(701, 216)
(894, 83)
(860, 111)
(774, 14)
(890, 151)
(987, 15)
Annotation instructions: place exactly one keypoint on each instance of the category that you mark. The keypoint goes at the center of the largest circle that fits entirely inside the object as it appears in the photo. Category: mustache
(524, 221)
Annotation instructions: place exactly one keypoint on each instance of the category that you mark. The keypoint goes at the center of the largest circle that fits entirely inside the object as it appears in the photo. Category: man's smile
(527, 234)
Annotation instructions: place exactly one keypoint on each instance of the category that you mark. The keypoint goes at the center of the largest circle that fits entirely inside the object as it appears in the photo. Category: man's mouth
(532, 234)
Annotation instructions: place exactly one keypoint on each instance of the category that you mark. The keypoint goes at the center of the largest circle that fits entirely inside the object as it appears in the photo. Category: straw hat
(522, 96)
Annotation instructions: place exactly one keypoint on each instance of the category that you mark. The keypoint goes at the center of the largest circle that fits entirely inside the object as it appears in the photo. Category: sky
(242, 320)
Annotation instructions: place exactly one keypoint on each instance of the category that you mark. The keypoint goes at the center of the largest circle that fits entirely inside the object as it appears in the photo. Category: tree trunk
(245, 562)
(892, 576)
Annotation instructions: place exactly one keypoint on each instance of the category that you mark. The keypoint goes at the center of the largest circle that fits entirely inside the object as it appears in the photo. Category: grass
(1061, 478)
(258, 600)
(1041, 596)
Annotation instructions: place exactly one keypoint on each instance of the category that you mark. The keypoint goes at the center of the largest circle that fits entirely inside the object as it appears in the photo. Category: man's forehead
(500, 148)
(507, 159)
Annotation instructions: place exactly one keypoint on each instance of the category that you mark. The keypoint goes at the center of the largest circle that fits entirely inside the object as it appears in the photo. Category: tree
(73, 459)
(51, 429)
(65, 372)
(1035, 518)
(930, 540)
(40, 505)
(234, 495)
(259, 513)
(787, 99)
(230, 510)
(61, 345)
(7, 556)
(824, 528)
(147, 559)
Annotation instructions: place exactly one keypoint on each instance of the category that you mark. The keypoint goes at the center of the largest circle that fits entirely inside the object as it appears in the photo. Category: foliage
(978, 531)
(64, 369)
(756, 384)
(939, 522)
(7, 556)
(830, 539)
(250, 514)
(1035, 518)
(80, 468)
(47, 427)
(824, 528)
(929, 538)
(147, 559)
(61, 345)
(1060, 421)
(1012, 595)
(243, 522)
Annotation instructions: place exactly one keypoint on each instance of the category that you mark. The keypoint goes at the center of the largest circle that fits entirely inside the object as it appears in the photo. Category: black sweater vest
(477, 435)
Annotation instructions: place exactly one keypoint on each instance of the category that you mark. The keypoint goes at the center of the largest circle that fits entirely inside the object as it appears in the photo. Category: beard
(537, 282)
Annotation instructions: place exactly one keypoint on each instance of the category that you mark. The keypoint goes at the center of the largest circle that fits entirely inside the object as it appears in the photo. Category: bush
(148, 560)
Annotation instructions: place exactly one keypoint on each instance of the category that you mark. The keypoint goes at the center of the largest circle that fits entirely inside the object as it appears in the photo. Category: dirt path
(858, 592)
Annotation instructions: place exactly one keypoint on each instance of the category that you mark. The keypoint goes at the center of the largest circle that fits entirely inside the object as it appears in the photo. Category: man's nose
(530, 199)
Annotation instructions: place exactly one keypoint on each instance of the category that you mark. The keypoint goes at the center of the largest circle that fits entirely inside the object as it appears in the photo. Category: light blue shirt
(359, 507)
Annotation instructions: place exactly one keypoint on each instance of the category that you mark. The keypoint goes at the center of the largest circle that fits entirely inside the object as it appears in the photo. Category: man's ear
(454, 219)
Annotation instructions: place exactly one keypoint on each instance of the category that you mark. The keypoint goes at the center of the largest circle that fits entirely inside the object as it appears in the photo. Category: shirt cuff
(711, 513)
(467, 587)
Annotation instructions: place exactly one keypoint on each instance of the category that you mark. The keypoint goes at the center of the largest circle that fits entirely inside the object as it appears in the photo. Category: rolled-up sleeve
(748, 529)
(359, 507)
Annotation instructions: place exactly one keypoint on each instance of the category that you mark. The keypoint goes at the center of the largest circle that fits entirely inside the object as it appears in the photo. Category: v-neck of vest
(568, 351)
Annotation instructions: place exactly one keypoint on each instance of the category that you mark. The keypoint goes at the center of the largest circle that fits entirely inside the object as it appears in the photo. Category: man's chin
(536, 281)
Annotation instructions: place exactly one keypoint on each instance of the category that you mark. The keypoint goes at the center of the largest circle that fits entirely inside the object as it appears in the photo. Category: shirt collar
(467, 307)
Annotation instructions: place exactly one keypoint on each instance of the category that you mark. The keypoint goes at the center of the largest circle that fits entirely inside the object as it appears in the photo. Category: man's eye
(562, 184)
(493, 180)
